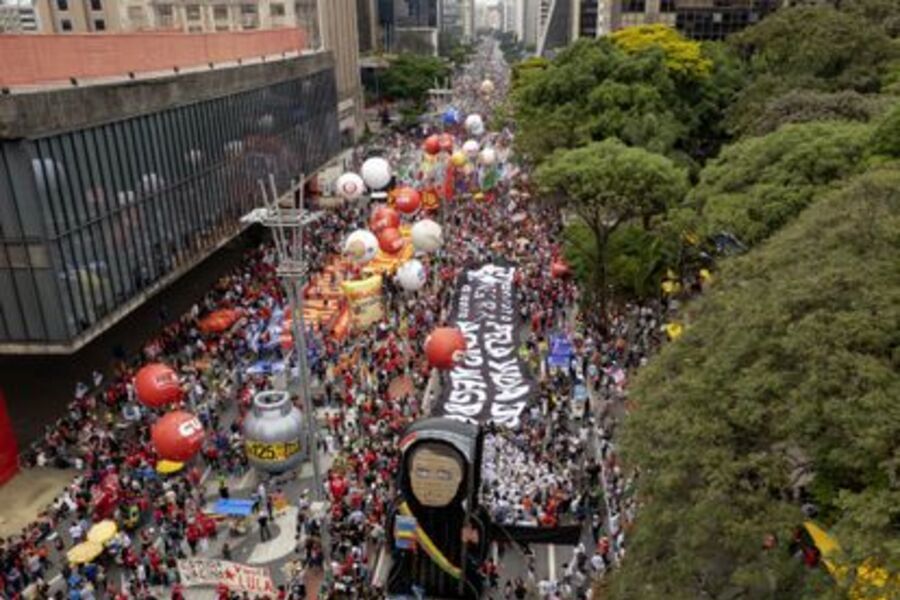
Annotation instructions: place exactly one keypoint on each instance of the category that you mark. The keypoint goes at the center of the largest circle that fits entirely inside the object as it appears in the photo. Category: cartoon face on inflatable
(435, 473)
(361, 246)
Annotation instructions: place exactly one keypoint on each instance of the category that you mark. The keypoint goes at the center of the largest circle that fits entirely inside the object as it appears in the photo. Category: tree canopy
(790, 358)
(605, 185)
(759, 184)
(410, 76)
(594, 90)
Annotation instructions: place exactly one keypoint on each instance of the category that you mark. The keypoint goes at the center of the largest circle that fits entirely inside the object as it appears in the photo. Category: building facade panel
(93, 218)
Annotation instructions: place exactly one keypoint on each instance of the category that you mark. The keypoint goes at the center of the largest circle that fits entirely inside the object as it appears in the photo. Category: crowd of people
(369, 384)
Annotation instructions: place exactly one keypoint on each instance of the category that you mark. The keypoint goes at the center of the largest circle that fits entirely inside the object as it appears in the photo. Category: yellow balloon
(458, 159)
(674, 330)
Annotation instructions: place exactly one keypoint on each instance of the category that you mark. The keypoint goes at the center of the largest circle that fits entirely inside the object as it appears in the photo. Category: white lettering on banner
(491, 384)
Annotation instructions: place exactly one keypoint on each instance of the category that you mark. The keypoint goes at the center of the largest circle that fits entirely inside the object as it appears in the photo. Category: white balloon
(411, 275)
(350, 186)
(427, 235)
(473, 122)
(487, 87)
(376, 172)
(361, 246)
(488, 156)
(471, 148)
(477, 130)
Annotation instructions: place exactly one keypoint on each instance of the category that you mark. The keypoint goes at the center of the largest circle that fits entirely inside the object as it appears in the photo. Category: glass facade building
(92, 220)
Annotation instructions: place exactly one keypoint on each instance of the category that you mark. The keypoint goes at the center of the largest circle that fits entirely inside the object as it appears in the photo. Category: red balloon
(432, 145)
(559, 269)
(157, 385)
(446, 142)
(391, 241)
(407, 200)
(383, 217)
(177, 436)
(445, 347)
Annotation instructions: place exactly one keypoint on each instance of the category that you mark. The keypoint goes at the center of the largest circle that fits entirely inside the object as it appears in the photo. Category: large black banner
(492, 384)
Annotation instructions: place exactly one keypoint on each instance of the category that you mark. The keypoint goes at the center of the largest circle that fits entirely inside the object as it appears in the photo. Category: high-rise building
(340, 34)
(368, 26)
(18, 17)
(416, 13)
(562, 21)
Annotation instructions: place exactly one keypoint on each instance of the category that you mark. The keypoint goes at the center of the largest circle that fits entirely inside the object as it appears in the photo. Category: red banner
(9, 449)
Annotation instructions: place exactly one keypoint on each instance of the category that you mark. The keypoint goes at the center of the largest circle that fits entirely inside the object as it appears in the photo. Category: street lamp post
(287, 225)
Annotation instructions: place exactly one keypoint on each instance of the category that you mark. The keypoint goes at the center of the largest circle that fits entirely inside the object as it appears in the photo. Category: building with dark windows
(107, 200)
(717, 19)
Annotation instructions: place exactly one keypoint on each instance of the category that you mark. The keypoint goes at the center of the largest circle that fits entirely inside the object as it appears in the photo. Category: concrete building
(106, 203)
(368, 26)
(340, 35)
(18, 17)
(562, 21)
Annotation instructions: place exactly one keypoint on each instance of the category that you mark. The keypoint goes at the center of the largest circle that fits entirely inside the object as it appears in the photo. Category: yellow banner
(274, 452)
(364, 299)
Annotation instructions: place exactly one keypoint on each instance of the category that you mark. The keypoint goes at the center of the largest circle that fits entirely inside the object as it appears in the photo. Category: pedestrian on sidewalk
(226, 552)
(264, 533)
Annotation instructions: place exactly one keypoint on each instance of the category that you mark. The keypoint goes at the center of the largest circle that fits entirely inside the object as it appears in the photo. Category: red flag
(449, 181)
(9, 450)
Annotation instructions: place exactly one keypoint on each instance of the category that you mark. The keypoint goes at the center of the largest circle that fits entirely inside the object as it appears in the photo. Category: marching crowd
(370, 385)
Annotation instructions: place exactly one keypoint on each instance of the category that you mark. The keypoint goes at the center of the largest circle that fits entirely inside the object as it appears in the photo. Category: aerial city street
(501, 299)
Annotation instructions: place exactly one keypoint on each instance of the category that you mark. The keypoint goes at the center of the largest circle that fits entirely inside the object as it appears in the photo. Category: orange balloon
(383, 217)
(432, 144)
(407, 200)
(445, 347)
(157, 385)
(391, 241)
(177, 436)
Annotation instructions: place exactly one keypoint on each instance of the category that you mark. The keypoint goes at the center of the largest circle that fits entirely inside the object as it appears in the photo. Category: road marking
(551, 561)
(381, 565)
(495, 552)
(281, 546)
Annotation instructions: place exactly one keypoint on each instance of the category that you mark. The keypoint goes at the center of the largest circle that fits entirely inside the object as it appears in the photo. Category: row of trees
(781, 145)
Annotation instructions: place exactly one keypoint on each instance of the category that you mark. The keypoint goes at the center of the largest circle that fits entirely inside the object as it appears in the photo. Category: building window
(223, 28)
(164, 10)
(65, 25)
(96, 5)
(633, 6)
(220, 12)
(136, 14)
(276, 9)
(248, 9)
(193, 12)
(195, 28)
(62, 4)
(667, 6)
(99, 25)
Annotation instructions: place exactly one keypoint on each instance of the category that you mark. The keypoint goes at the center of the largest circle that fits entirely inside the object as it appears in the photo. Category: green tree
(410, 76)
(803, 106)
(606, 185)
(886, 139)
(594, 90)
(789, 360)
(759, 184)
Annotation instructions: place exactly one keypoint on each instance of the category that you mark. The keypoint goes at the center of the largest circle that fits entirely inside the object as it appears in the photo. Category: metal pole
(290, 250)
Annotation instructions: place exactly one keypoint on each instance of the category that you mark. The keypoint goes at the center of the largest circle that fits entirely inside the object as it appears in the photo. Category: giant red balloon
(391, 241)
(157, 385)
(446, 141)
(177, 436)
(383, 217)
(432, 144)
(407, 200)
(445, 347)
